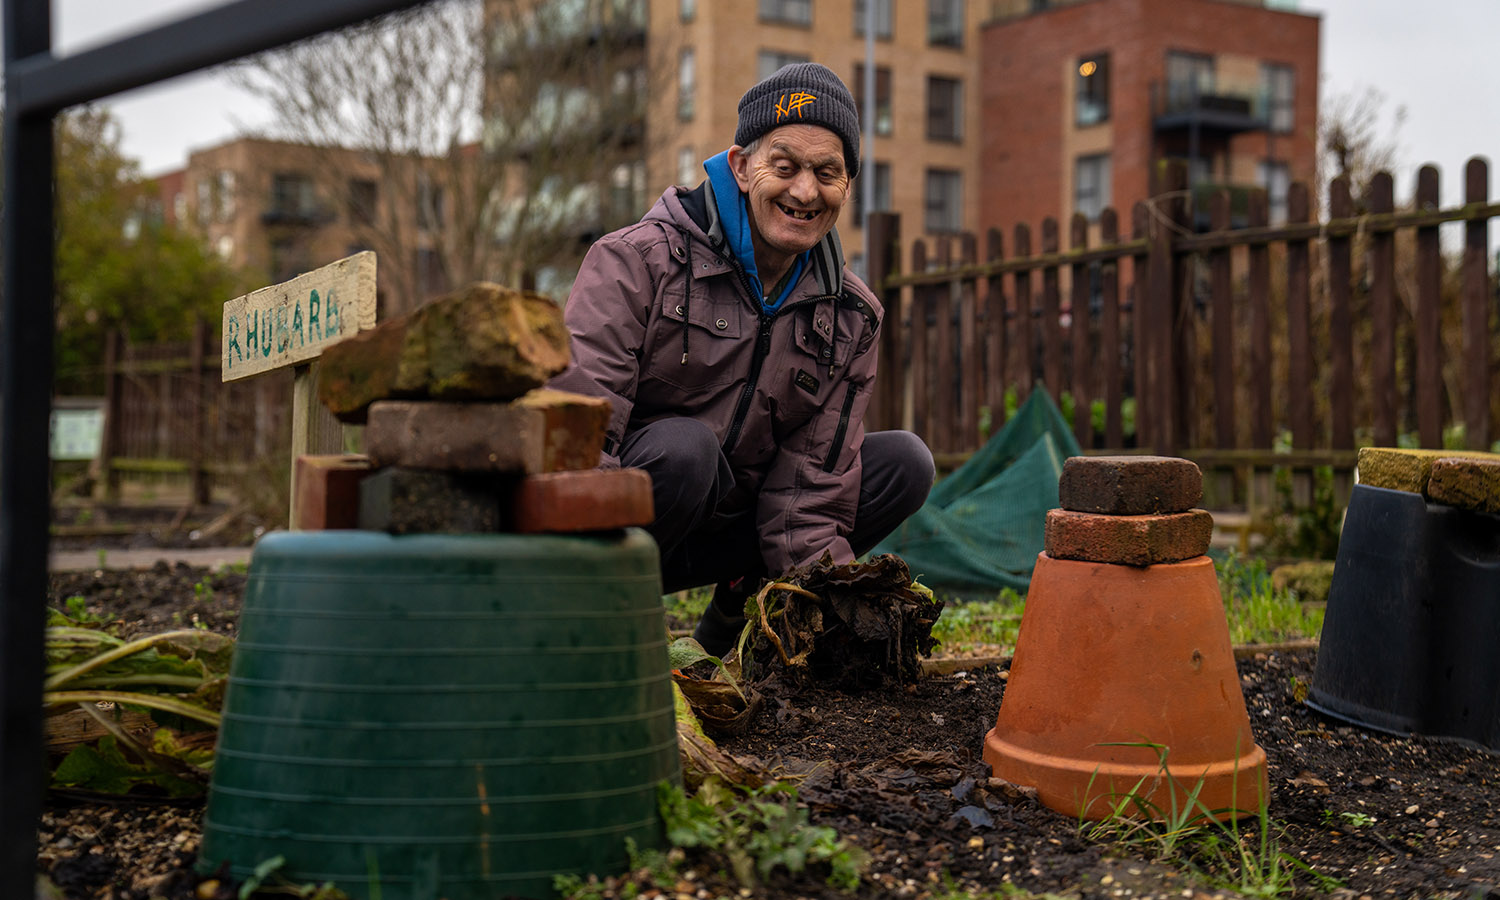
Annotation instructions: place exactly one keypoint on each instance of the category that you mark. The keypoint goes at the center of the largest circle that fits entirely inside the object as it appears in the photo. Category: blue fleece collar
(735, 218)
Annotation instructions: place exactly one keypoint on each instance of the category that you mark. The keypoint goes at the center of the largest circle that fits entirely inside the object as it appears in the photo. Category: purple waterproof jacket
(664, 324)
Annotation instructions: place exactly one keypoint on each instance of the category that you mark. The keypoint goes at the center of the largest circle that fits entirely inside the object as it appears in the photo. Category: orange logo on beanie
(792, 103)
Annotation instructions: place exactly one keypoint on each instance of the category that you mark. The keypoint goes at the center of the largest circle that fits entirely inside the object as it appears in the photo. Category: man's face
(795, 182)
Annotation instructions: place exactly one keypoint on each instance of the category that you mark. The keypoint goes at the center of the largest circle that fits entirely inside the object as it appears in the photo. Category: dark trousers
(690, 477)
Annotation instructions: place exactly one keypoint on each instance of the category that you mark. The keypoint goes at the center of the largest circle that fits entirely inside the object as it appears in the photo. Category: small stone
(1129, 485)
(1128, 540)
(1466, 483)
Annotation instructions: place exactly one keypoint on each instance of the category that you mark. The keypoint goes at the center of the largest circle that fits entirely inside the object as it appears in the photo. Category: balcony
(1239, 204)
(1179, 107)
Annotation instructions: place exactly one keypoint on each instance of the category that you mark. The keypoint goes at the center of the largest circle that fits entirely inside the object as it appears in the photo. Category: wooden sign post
(290, 324)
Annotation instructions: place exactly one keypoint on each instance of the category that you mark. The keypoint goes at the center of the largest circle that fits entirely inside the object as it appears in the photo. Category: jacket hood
(700, 206)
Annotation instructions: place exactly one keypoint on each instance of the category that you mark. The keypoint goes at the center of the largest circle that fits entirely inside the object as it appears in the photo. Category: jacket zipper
(741, 411)
(838, 436)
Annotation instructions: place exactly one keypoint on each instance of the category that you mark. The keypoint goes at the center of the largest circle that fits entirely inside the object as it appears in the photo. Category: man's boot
(724, 619)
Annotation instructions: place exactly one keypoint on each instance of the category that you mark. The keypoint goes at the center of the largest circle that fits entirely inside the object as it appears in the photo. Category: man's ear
(739, 166)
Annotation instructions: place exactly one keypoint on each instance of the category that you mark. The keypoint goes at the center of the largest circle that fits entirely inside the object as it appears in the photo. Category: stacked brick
(1129, 510)
(460, 435)
(1466, 480)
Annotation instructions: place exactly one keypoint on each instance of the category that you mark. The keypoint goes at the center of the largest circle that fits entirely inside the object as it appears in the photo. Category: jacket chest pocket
(805, 386)
(697, 343)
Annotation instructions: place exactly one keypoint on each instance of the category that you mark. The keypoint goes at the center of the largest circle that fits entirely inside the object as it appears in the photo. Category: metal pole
(867, 158)
(26, 325)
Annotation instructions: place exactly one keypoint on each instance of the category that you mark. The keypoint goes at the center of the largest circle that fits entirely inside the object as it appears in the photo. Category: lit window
(945, 23)
(687, 84)
(944, 201)
(769, 61)
(1091, 90)
(945, 109)
(882, 18)
(1091, 185)
(883, 114)
(787, 12)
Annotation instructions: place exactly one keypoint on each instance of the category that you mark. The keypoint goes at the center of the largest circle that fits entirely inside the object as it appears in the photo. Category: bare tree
(499, 130)
(1354, 139)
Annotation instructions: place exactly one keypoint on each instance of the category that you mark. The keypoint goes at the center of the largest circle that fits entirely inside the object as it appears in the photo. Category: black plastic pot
(1411, 638)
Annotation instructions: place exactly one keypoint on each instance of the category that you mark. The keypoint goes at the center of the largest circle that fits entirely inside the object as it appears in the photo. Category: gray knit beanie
(801, 94)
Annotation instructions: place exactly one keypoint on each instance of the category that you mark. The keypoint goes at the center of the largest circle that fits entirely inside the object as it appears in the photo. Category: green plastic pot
(444, 716)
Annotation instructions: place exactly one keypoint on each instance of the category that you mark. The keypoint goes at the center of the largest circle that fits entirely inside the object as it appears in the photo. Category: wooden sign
(292, 322)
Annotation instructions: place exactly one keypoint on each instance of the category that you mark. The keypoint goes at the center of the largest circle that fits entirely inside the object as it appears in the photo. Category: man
(739, 354)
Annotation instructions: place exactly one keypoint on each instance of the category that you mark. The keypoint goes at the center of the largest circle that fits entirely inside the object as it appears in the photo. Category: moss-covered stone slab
(485, 342)
(1467, 483)
(1400, 469)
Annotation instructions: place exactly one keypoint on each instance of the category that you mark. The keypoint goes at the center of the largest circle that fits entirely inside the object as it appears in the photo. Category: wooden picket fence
(1227, 345)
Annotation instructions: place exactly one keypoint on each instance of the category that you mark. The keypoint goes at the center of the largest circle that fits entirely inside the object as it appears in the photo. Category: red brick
(328, 490)
(1128, 540)
(1129, 485)
(545, 431)
(1472, 484)
(590, 500)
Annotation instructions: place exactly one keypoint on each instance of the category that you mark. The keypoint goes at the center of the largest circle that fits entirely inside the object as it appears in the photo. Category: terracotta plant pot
(1111, 658)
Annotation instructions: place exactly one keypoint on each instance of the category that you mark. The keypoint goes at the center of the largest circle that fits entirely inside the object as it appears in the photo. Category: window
(362, 197)
(688, 170)
(291, 195)
(944, 201)
(945, 23)
(688, 10)
(627, 191)
(882, 18)
(224, 188)
(687, 85)
(1278, 87)
(1091, 91)
(769, 61)
(1276, 178)
(945, 109)
(430, 211)
(787, 12)
(205, 205)
(1189, 76)
(882, 176)
(1091, 185)
(883, 115)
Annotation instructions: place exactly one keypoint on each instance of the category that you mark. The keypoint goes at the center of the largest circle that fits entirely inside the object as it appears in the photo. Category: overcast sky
(1432, 59)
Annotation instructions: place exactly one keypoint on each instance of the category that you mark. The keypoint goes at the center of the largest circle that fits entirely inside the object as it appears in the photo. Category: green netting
(982, 527)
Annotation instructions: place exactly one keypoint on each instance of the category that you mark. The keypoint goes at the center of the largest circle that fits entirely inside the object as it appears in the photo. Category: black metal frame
(37, 87)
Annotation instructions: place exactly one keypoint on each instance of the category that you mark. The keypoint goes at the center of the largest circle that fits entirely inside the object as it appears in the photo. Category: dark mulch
(1388, 816)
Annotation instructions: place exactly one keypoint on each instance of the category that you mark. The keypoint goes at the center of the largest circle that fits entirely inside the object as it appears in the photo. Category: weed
(688, 605)
(267, 879)
(662, 870)
(103, 556)
(1257, 612)
(758, 831)
(78, 611)
(1357, 819)
(964, 624)
(203, 592)
(1210, 842)
(1311, 531)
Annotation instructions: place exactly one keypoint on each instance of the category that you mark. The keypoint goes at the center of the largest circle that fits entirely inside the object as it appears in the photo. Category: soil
(898, 772)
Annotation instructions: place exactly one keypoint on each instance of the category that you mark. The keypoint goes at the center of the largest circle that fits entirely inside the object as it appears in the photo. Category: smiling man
(739, 354)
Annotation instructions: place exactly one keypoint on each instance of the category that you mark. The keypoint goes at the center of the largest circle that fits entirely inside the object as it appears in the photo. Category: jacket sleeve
(811, 492)
(606, 315)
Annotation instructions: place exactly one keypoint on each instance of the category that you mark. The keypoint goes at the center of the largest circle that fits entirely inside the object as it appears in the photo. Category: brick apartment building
(280, 209)
(925, 158)
(1081, 97)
